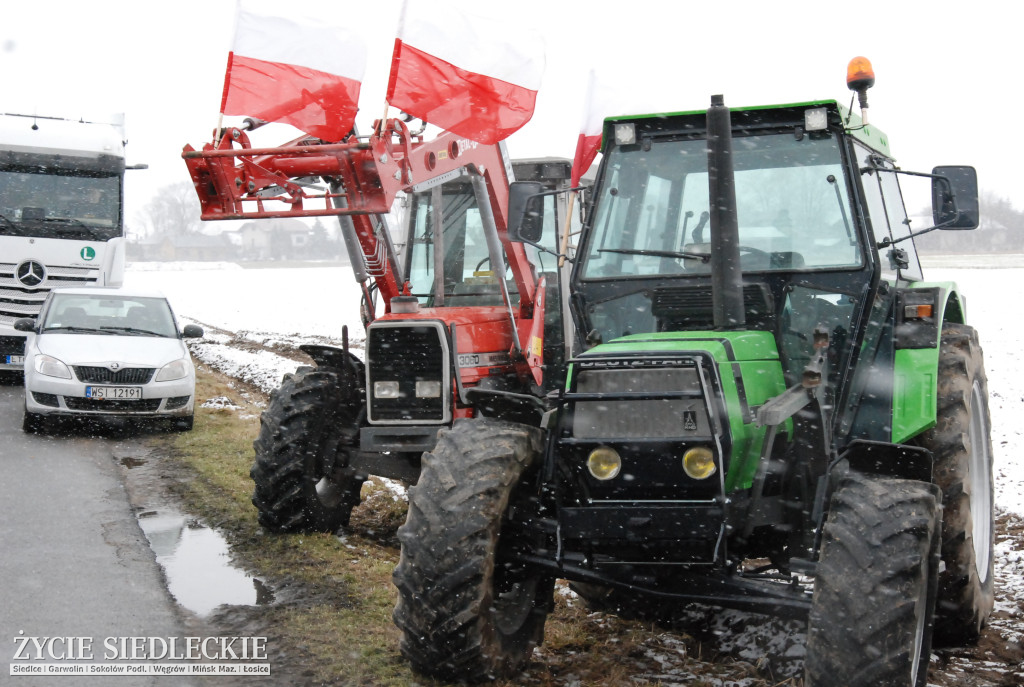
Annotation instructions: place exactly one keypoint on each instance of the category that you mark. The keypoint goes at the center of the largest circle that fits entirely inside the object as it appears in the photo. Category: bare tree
(173, 211)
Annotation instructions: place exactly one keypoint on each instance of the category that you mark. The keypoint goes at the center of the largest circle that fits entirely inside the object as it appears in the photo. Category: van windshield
(43, 204)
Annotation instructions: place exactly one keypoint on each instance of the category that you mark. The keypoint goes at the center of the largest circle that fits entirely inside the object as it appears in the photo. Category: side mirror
(955, 198)
(525, 211)
(192, 331)
(25, 324)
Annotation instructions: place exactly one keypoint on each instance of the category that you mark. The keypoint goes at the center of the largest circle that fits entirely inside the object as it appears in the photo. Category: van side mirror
(955, 197)
(25, 324)
(192, 331)
(526, 211)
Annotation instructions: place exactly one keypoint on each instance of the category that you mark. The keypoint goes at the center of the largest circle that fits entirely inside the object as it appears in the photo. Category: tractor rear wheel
(963, 470)
(463, 614)
(301, 483)
(874, 590)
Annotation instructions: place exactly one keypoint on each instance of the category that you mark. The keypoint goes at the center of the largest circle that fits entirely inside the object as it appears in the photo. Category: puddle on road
(130, 461)
(197, 564)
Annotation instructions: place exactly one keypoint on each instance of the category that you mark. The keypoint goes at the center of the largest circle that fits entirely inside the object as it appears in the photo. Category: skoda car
(98, 353)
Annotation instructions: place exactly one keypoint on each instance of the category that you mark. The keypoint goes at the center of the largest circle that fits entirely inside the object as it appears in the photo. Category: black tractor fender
(892, 460)
(334, 358)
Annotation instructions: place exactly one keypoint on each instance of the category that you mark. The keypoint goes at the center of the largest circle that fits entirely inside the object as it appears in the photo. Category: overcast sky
(946, 91)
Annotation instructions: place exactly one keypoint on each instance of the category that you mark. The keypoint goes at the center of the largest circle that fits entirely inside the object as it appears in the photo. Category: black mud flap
(893, 460)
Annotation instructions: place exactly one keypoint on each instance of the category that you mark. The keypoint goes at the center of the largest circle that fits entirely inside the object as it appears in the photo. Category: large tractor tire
(301, 483)
(462, 616)
(874, 590)
(962, 448)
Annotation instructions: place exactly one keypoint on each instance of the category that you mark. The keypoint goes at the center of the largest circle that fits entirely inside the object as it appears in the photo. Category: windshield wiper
(133, 330)
(703, 257)
(70, 222)
(10, 223)
(72, 328)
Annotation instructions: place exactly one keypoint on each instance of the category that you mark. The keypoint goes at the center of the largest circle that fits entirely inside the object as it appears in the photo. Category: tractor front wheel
(301, 483)
(874, 590)
(464, 613)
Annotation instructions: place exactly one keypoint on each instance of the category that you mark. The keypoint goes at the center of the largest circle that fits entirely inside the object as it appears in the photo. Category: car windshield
(111, 315)
(792, 205)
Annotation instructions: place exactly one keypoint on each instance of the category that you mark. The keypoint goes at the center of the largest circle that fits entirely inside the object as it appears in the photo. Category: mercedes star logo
(31, 273)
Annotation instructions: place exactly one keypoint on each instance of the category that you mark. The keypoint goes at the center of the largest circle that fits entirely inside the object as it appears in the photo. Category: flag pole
(565, 234)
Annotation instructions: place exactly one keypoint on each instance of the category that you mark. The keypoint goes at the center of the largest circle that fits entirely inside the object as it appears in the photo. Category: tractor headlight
(604, 463)
(699, 462)
(625, 133)
(385, 390)
(428, 389)
(816, 119)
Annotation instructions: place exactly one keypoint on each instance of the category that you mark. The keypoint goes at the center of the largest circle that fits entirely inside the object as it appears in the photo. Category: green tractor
(773, 412)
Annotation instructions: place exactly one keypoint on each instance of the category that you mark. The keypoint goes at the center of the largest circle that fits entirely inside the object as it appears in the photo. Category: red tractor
(471, 322)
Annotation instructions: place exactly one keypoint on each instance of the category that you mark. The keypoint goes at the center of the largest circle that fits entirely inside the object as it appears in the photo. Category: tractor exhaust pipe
(726, 272)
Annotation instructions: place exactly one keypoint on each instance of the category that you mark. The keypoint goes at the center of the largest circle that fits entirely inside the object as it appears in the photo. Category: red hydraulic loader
(471, 323)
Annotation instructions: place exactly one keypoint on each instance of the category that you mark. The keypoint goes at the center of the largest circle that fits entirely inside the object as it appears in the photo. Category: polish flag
(296, 71)
(589, 142)
(462, 71)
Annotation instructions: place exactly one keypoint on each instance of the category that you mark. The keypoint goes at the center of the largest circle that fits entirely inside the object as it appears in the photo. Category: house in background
(259, 240)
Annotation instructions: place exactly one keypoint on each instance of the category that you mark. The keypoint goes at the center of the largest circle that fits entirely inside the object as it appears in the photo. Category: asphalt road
(73, 560)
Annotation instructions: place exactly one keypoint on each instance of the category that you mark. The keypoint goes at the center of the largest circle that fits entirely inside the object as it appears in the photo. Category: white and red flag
(589, 142)
(294, 70)
(461, 70)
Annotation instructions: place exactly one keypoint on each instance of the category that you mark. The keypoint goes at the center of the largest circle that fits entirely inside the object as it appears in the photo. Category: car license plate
(114, 393)
(14, 359)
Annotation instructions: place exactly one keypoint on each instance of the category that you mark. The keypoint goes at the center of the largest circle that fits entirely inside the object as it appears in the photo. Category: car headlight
(172, 371)
(51, 367)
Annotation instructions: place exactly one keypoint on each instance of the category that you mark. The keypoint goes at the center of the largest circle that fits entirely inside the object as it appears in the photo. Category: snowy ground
(254, 317)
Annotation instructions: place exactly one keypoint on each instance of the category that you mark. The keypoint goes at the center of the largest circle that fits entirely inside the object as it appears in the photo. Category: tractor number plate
(114, 393)
(483, 359)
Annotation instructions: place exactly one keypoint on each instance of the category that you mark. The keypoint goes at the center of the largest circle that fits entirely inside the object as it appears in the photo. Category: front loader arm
(355, 177)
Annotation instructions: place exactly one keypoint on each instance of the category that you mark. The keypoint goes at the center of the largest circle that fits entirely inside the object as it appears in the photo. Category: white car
(100, 353)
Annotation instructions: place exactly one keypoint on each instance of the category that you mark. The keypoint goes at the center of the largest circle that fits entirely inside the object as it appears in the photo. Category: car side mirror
(526, 211)
(192, 331)
(25, 324)
(955, 197)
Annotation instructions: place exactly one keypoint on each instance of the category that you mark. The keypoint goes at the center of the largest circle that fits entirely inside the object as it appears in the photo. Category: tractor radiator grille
(408, 373)
(674, 405)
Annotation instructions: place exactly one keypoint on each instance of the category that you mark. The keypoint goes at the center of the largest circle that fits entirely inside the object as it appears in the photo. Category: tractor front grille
(641, 403)
(408, 373)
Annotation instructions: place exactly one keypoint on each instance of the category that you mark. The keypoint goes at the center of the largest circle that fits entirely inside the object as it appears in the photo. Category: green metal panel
(915, 372)
(748, 359)
(914, 393)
